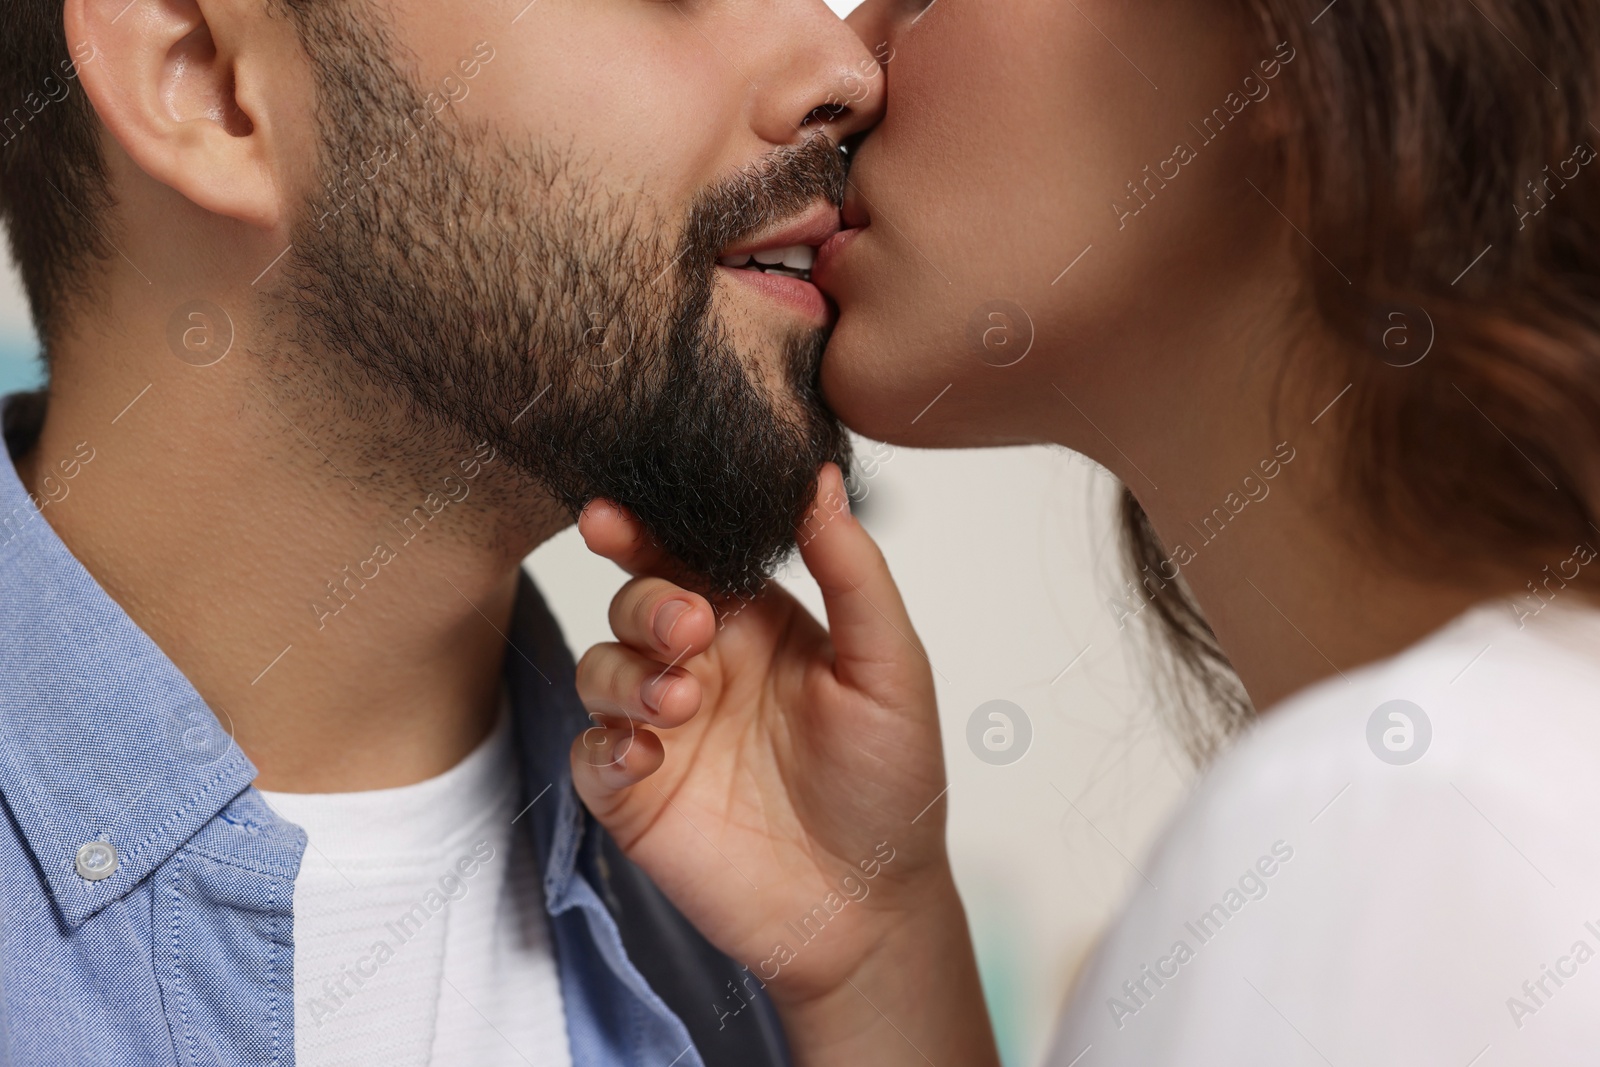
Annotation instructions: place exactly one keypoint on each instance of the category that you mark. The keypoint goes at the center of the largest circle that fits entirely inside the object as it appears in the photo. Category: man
(347, 306)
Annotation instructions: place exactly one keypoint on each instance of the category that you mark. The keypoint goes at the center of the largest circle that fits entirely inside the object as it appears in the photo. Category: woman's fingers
(637, 679)
(608, 761)
(662, 620)
(876, 649)
(617, 683)
(612, 531)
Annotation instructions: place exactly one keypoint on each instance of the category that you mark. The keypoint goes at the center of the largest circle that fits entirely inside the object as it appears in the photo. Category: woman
(1320, 283)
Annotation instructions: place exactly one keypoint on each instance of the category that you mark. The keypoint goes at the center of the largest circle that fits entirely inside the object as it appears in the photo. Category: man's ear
(182, 85)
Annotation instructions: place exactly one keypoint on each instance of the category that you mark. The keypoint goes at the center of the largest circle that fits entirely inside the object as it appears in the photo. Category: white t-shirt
(1319, 901)
(420, 933)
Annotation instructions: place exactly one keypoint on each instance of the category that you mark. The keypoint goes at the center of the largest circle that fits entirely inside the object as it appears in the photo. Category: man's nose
(821, 77)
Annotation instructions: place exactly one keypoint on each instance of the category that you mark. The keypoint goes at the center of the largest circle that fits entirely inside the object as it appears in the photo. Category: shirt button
(97, 860)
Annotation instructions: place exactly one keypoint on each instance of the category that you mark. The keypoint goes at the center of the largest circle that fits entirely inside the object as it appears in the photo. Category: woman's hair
(1443, 159)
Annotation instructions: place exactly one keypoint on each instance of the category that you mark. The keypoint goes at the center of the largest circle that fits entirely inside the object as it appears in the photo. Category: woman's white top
(1400, 865)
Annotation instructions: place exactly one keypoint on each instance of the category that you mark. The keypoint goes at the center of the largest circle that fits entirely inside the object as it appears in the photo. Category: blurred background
(19, 351)
(1008, 562)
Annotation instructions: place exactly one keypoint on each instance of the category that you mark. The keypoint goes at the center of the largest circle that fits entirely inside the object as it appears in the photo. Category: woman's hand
(784, 787)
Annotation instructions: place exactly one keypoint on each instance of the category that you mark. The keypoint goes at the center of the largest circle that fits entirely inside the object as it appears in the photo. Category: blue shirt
(147, 891)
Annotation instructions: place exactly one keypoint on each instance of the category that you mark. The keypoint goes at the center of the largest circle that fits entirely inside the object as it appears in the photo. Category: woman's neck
(1291, 599)
(1240, 478)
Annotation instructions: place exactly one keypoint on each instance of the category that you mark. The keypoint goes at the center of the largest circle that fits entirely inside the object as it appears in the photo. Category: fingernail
(598, 746)
(654, 692)
(606, 747)
(839, 499)
(667, 620)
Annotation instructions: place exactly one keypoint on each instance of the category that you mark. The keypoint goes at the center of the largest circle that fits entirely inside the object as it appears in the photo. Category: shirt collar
(548, 716)
(102, 738)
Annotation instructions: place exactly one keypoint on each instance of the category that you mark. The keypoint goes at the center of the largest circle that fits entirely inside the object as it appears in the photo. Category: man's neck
(345, 621)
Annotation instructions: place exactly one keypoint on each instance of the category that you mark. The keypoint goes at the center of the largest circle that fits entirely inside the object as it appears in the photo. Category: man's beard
(491, 289)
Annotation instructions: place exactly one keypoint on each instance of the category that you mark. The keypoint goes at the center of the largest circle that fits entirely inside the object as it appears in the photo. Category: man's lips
(798, 295)
(789, 248)
(777, 261)
(810, 229)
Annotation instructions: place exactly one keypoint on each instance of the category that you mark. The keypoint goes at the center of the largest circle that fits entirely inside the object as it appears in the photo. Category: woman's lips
(827, 264)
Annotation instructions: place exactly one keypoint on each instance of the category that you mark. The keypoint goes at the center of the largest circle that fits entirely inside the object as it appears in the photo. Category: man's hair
(53, 190)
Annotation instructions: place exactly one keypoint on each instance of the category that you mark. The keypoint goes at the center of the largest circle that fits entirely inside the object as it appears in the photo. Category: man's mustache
(785, 183)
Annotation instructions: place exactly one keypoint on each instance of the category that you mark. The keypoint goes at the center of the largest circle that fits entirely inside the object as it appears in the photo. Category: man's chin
(733, 568)
(729, 534)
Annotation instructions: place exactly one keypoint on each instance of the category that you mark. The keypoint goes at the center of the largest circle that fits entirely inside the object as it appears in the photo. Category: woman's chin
(877, 396)
(862, 381)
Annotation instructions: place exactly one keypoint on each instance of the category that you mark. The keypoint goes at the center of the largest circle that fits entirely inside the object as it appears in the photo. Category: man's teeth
(793, 262)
